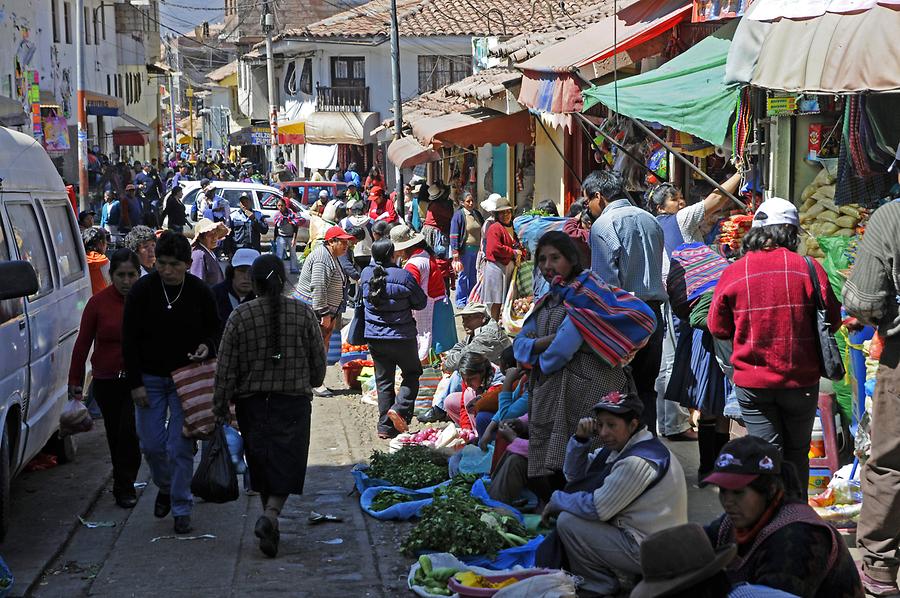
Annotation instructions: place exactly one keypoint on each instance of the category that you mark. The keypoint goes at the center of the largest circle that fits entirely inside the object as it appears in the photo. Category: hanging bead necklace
(169, 304)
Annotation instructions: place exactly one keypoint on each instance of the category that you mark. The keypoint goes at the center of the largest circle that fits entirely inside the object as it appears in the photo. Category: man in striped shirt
(871, 296)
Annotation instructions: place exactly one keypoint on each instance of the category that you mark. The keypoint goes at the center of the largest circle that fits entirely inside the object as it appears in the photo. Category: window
(61, 222)
(348, 72)
(10, 308)
(67, 21)
(290, 79)
(438, 71)
(54, 19)
(127, 88)
(233, 196)
(269, 200)
(87, 26)
(108, 86)
(306, 77)
(29, 242)
(116, 85)
(95, 23)
(103, 20)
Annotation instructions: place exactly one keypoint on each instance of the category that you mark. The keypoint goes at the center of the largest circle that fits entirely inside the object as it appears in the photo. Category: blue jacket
(458, 237)
(392, 319)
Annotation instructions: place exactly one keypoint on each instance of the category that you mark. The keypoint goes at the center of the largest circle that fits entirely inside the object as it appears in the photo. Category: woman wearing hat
(391, 297)
(781, 542)
(614, 497)
(502, 253)
(576, 342)
(775, 357)
(204, 264)
(270, 359)
(381, 207)
(436, 227)
(418, 260)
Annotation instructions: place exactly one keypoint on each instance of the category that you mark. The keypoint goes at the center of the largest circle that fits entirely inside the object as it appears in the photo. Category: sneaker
(268, 535)
(183, 524)
(874, 587)
(322, 391)
(399, 422)
(163, 505)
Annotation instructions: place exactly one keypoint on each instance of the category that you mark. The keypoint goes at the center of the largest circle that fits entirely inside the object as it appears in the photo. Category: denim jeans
(169, 454)
(466, 280)
(284, 246)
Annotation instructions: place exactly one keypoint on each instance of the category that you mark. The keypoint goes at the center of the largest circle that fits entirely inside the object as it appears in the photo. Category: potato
(846, 222)
(827, 229)
(850, 210)
(827, 216)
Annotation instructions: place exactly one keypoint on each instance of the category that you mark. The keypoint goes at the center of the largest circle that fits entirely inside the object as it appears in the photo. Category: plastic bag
(479, 491)
(443, 327)
(235, 448)
(551, 585)
(511, 321)
(472, 459)
(74, 419)
(517, 556)
(216, 477)
(401, 511)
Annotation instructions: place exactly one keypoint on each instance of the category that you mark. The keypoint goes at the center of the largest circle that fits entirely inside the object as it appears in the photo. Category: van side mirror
(17, 279)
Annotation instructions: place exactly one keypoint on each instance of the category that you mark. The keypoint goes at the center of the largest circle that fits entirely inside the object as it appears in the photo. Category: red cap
(376, 192)
(336, 232)
(730, 481)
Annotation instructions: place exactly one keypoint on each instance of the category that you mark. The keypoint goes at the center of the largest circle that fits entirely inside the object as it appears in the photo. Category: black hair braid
(267, 272)
(383, 254)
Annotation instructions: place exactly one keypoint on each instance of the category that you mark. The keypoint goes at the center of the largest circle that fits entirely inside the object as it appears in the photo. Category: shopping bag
(216, 477)
(512, 319)
(194, 384)
(334, 345)
(74, 419)
(428, 383)
(356, 331)
(443, 326)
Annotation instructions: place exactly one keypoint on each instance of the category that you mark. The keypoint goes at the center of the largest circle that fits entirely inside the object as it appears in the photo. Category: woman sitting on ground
(478, 396)
(614, 497)
(782, 543)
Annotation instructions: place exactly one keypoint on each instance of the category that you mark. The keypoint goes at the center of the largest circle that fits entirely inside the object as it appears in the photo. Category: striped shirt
(627, 250)
(321, 282)
(871, 293)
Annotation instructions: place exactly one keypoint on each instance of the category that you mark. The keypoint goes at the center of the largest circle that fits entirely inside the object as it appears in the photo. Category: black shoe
(126, 501)
(268, 536)
(163, 505)
(183, 524)
(435, 414)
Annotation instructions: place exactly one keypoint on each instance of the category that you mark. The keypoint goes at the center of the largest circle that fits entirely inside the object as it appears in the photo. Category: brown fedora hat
(676, 558)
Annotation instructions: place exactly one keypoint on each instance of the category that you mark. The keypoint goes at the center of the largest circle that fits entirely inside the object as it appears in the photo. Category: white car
(265, 199)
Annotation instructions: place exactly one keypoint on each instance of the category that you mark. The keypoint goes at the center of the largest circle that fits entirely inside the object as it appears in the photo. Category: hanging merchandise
(658, 163)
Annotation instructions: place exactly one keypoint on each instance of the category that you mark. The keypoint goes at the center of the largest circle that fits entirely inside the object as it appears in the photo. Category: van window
(10, 308)
(62, 225)
(191, 197)
(268, 199)
(29, 242)
(233, 196)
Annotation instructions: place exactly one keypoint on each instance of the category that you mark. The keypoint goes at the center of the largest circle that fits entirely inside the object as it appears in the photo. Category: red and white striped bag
(194, 384)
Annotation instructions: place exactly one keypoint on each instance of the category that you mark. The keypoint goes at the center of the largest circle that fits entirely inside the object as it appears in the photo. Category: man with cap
(237, 287)
(353, 193)
(781, 541)
(131, 207)
(248, 225)
(323, 285)
(615, 496)
(380, 206)
(870, 295)
(86, 219)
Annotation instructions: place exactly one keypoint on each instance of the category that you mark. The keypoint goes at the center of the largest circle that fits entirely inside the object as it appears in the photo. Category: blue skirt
(697, 381)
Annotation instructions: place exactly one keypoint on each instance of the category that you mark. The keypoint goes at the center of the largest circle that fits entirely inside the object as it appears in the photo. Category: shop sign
(778, 105)
(715, 10)
(260, 136)
(56, 134)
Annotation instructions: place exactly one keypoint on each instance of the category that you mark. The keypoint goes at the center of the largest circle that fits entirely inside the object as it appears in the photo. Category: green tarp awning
(687, 93)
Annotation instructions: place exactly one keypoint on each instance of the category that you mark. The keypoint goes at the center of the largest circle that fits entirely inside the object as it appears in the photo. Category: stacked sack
(821, 217)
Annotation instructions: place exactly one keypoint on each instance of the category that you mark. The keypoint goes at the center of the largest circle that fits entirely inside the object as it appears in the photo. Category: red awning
(131, 136)
(406, 152)
(474, 127)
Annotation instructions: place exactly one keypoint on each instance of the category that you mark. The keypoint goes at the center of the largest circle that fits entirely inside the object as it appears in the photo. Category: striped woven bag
(194, 384)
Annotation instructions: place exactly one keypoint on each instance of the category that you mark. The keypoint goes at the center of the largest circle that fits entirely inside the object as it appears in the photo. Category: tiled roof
(485, 84)
(432, 103)
(223, 71)
(424, 18)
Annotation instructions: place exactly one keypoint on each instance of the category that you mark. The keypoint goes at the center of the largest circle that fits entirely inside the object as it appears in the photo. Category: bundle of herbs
(388, 498)
(460, 485)
(412, 467)
(463, 526)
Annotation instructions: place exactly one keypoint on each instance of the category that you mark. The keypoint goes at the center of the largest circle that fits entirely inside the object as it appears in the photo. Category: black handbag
(216, 477)
(830, 361)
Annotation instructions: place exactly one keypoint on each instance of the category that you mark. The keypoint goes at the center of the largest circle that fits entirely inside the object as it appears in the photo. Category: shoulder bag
(830, 360)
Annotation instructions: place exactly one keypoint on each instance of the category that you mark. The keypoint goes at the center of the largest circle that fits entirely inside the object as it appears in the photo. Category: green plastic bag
(835, 250)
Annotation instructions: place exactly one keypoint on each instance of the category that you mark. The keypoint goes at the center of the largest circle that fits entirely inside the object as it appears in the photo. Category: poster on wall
(715, 10)
(56, 134)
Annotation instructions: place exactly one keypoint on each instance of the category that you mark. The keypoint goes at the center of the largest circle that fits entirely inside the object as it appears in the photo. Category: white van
(44, 286)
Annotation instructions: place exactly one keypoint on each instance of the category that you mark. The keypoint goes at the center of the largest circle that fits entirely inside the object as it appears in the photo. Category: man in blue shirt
(627, 252)
(134, 209)
(248, 225)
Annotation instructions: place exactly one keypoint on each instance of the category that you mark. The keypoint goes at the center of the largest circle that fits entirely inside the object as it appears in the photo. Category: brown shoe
(399, 423)
(688, 435)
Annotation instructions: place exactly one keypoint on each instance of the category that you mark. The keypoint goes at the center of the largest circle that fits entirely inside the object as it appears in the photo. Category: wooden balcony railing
(342, 99)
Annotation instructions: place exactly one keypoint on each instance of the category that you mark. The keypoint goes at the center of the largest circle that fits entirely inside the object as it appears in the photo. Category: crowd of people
(636, 324)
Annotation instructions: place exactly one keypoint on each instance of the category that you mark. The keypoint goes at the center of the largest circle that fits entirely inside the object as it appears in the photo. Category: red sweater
(387, 207)
(101, 325)
(764, 301)
(501, 247)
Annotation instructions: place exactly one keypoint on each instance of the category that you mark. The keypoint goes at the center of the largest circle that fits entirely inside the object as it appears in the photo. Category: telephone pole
(79, 98)
(398, 108)
(268, 25)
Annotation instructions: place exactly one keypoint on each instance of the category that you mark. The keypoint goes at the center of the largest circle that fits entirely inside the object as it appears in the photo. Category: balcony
(342, 99)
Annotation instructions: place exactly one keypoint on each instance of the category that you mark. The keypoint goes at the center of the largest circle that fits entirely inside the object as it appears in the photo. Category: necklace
(169, 304)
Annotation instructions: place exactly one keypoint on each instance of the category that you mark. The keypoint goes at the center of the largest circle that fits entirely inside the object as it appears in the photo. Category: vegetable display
(388, 498)
(460, 485)
(461, 525)
(471, 579)
(821, 217)
(348, 348)
(521, 305)
(434, 580)
(411, 467)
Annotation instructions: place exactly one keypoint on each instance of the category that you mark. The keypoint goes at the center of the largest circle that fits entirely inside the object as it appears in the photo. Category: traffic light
(198, 106)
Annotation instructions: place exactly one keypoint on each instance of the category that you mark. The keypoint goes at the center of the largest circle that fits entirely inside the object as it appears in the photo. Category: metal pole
(398, 106)
(79, 97)
(268, 26)
(190, 97)
(172, 113)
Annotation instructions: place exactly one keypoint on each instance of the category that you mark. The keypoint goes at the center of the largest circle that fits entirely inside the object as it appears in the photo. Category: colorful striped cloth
(612, 321)
(694, 270)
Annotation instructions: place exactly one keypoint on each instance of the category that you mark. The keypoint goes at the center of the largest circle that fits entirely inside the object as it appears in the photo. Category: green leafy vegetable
(388, 498)
(411, 467)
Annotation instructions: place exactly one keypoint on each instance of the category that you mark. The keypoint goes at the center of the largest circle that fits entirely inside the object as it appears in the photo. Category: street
(52, 554)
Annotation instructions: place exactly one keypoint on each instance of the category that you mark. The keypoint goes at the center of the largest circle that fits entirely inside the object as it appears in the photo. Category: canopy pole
(583, 120)
(684, 160)
(561, 155)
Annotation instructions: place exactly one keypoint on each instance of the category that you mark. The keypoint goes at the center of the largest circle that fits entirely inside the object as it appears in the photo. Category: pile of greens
(461, 525)
(388, 498)
(460, 485)
(411, 467)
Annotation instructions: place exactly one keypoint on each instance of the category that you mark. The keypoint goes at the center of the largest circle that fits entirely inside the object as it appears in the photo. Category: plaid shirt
(245, 363)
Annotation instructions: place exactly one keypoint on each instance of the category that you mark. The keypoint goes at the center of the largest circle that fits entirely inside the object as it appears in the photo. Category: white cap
(244, 257)
(490, 204)
(776, 211)
(323, 193)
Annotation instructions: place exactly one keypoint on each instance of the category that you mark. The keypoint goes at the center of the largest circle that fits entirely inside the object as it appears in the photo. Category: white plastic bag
(74, 419)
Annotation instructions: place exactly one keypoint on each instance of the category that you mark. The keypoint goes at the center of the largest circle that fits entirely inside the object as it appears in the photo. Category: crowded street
(576, 299)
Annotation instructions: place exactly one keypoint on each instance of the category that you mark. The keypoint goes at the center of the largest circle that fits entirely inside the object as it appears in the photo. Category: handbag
(356, 331)
(194, 385)
(830, 361)
(216, 477)
(443, 326)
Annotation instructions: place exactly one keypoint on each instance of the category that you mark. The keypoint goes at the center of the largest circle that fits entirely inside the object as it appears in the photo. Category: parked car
(264, 198)
(44, 285)
(307, 192)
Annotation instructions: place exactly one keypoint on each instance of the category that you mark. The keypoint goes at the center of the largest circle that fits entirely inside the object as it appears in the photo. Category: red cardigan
(101, 325)
(764, 301)
(501, 247)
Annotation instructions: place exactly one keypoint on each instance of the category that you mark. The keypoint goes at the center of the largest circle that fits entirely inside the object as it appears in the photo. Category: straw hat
(205, 225)
(436, 191)
(404, 237)
(502, 205)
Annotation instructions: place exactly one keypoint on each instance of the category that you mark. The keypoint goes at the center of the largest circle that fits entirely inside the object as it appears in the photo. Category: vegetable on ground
(412, 467)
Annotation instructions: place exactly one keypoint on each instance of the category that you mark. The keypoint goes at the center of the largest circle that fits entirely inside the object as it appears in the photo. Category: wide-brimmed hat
(436, 191)
(676, 558)
(490, 203)
(205, 225)
(474, 309)
(743, 460)
(403, 237)
(502, 205)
